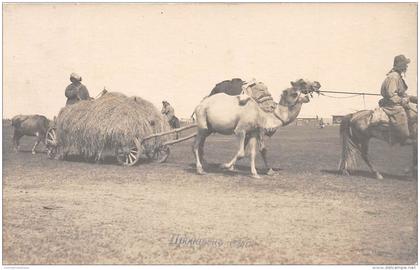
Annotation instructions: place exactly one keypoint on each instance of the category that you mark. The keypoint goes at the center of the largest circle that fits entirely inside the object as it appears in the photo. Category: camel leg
(201, 148)
(253, 150)
(263, 151)
(240, 154)
(364, 152)
(247, 137)
(196, 151)
(270, 170)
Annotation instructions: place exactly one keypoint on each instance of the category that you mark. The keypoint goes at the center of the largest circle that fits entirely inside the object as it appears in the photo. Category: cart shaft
(180, 140)
(169, 132)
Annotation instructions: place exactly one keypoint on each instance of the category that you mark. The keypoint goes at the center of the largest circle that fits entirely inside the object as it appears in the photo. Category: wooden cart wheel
(51, 142)
(129, 155)
(161, 153)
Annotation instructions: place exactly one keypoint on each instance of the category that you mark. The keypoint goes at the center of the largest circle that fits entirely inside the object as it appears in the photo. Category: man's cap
(75, 76)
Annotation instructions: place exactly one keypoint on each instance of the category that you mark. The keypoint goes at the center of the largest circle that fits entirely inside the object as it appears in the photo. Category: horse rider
(395, 100)
(76, 91)
(167, 110)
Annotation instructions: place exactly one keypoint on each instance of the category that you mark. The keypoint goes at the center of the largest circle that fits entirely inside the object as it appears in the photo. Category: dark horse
(29, 125)
(358, 128)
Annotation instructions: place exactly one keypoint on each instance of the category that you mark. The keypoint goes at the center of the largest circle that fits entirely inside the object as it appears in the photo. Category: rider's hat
(401, 61)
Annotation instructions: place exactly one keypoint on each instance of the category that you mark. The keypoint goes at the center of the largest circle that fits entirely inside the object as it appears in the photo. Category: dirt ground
(66, 212)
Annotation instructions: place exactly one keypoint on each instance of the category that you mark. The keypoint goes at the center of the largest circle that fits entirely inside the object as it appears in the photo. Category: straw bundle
(111, 121)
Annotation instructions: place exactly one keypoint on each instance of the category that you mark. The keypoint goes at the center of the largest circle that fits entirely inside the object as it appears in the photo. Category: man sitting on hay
(76, 91)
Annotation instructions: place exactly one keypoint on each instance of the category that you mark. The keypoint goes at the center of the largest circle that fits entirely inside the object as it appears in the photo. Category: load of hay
(89, 128)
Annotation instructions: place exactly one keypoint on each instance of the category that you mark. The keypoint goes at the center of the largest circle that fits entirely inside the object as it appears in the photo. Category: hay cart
(129, 155)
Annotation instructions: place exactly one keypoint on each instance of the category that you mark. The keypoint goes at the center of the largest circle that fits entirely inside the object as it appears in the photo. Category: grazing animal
(29, 125)
(358, 128)
(221, 113)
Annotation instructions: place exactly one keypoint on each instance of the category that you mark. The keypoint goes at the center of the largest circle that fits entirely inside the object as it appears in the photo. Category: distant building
(307, 121)
(312, 121)
(336, 119)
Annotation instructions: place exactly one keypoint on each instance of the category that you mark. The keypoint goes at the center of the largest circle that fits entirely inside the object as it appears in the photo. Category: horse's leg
(16, 137)
(412, 170)
(38, 139)
(196, 151)
(364, 152)
(415, 149)
(241, 152)
(253, 148)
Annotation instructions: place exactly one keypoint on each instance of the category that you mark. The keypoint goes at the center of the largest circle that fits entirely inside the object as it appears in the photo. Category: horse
(29, 125)
(358, 128)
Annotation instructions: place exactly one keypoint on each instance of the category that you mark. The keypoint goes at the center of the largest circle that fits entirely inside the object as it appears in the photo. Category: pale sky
(178, 52)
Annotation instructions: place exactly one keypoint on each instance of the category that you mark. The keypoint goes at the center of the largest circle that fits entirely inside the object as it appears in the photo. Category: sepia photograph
(209, 134)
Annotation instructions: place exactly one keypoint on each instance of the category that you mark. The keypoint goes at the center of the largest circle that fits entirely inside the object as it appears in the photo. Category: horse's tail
(46, 124)
(349, 148)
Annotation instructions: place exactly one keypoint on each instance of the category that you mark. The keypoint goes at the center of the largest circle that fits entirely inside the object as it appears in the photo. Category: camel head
(299, 92)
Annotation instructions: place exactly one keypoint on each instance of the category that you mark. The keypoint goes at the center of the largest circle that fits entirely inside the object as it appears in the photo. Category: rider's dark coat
(75, 92)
